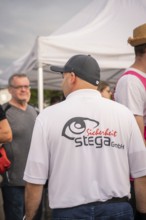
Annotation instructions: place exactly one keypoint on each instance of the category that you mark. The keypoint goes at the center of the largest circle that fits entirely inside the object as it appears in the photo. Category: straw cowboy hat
(139, 36)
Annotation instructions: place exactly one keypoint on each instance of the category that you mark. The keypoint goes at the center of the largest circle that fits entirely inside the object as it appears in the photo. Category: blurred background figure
(104, 89)
(55, 99)
(5, 136)
(5, 130)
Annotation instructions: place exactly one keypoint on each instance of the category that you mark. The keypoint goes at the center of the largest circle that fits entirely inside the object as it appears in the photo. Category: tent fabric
(101, 29)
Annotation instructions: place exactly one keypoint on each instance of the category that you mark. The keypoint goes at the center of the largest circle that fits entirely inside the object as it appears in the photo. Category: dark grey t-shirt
(22, 123)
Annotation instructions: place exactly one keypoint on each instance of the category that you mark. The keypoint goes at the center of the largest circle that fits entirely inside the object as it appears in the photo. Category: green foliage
(48, 94)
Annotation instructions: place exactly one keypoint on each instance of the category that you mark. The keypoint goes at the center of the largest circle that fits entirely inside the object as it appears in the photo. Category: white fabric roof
(100, 29)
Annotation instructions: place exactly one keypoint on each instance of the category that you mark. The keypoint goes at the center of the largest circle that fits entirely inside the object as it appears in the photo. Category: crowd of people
(87, 150)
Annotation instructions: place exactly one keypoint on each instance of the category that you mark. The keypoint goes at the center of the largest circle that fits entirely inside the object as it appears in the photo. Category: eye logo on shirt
(86, 132)
(77, 126)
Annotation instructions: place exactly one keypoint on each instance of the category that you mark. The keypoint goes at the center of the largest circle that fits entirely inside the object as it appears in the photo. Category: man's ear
(9, 89)
(73, 77)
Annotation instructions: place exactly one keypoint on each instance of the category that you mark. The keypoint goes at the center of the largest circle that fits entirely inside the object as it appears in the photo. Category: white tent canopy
(100, 29)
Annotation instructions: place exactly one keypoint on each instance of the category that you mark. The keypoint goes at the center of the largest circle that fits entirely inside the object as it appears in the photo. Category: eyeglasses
(109, 91)
(21, 87)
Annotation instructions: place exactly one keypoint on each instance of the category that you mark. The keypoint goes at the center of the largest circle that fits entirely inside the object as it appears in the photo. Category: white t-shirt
(131, 92)
(85, 146)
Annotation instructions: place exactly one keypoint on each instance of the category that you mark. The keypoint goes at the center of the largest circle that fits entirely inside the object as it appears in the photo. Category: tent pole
(40, 89)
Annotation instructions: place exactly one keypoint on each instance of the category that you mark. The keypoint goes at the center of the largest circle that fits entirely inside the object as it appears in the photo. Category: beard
(22, 101)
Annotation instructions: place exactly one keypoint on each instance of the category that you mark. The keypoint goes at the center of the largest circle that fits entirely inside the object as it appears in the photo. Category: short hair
(102, 85)
(55, 99)
(20, 75)
(140, 49)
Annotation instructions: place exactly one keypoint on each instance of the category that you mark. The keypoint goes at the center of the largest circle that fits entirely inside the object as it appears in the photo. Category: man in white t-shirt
(86, 146)
(131, 87)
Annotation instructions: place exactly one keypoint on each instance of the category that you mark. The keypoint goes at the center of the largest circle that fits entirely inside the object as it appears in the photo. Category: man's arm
(5, 130)
(33, 196)
(140, 122)
(140, 194)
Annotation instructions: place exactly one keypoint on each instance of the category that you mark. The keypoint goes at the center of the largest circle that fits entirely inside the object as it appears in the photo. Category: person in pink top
(131, 87)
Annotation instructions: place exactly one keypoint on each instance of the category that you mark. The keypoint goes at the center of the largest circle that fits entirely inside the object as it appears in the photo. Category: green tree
(48, 94)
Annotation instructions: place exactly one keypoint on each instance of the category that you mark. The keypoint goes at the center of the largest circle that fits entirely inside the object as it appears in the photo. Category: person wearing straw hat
(131, 87)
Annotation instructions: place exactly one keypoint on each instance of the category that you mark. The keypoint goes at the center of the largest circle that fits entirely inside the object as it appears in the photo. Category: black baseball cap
(84, 66)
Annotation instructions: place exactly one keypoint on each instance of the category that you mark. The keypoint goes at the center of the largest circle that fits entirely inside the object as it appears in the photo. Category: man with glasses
(21, 117)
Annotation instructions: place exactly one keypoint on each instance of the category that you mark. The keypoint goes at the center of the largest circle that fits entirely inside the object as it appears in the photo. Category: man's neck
(19, 104)
(140, 64)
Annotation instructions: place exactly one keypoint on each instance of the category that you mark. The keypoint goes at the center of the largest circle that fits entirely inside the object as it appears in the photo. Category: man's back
(91, 148)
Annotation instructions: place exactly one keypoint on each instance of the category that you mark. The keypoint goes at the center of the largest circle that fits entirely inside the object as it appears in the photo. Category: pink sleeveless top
(143, 80)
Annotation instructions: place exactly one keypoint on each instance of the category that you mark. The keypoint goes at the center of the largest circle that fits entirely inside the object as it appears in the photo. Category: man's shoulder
(132, 74)
(33, 109)
(130, 81)
(116, 105)
(53, 111)
(6, 106)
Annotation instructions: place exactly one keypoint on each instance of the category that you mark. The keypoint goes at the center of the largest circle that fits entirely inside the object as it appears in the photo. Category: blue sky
(21, 21)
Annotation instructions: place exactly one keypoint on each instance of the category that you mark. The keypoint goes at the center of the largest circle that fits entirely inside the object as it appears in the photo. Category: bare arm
(140, 193)
(5, 131)
(140, 123)
(33, 196)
